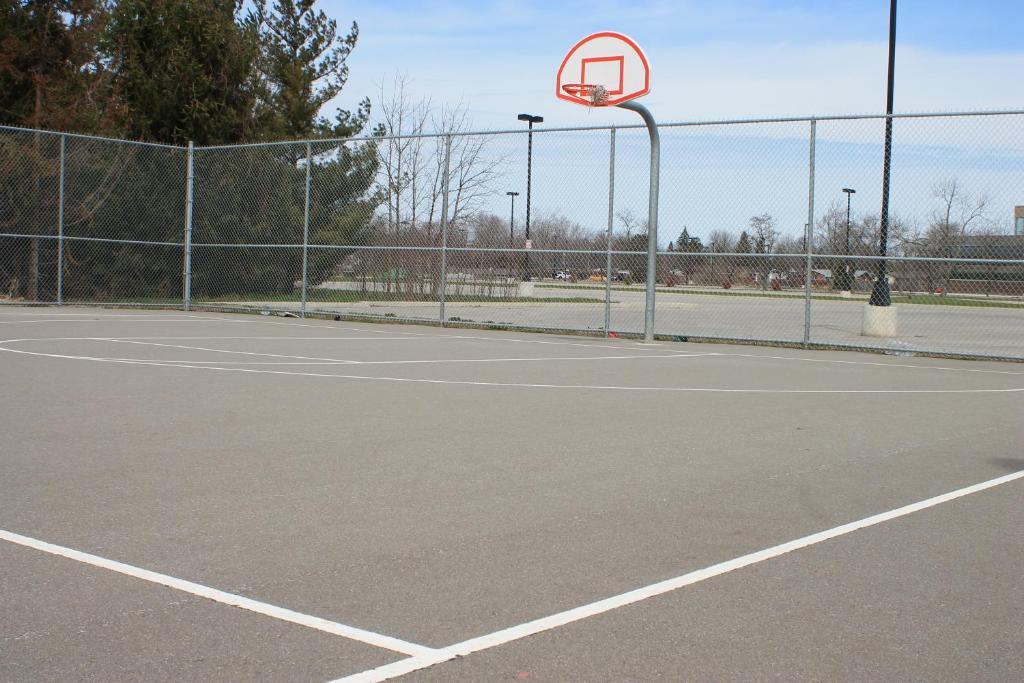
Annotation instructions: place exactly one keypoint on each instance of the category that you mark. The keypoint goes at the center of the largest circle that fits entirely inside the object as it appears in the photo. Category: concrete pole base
(879, 321)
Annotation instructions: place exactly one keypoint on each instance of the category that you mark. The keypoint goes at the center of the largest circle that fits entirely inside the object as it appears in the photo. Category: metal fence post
(608, 255)
(444, 223)
(189, 201)
(60, 225)
(809, 234)
(305, 230)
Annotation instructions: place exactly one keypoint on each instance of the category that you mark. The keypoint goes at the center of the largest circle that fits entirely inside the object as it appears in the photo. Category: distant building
(979, 277)
(1018, 220)
(989, 247)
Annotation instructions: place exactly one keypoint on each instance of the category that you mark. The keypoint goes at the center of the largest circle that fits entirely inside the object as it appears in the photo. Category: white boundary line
(553, 621)
(332, 361)
(307, 360)
(625, 344)
(144, 340)
(518, 385)
(76, 319)
(873, 363)
(183, 338)
(341, 361)
(175, 315)
(280, 613)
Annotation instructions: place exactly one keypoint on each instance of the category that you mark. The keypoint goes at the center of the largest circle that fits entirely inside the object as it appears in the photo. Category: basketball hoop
(608, 69)
(603, 70)
(596, 94)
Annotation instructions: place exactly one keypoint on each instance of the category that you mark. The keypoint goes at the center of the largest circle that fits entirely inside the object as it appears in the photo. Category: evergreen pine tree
(302, 67)
(184, 69)
(743, 244)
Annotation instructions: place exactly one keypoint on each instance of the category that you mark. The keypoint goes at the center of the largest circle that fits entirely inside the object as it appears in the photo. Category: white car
(563, 275)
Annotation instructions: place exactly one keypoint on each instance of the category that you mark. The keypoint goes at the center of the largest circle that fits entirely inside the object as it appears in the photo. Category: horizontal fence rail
(769, 229)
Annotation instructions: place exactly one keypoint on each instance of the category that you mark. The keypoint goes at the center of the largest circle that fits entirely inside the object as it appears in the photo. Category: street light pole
(512, 220)
(848, 280)
(511, 231)
(880, 294)
(530, 119)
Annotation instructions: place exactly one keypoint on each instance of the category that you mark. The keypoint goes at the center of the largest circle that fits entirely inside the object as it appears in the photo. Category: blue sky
(727, 58)
(722, 59)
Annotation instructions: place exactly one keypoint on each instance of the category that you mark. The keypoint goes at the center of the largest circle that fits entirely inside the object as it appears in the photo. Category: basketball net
(596, 94)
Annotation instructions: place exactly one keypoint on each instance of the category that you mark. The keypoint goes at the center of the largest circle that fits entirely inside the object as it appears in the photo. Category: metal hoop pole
(608, 254)
(652, 215)
(809, 234)
(60, 226)
(444, 224)
(189, 202)
(305, 231)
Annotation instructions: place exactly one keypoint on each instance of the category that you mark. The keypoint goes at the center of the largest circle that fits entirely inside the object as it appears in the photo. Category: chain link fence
(769, 229)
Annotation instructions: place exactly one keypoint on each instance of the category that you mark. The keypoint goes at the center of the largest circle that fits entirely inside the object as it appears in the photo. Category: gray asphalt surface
(893, 603)
(437, 485)
(941, 329)
(63, 620)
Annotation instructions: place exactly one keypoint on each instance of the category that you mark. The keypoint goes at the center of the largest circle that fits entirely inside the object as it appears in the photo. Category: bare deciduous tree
(630, 222)
(471, 169)
(957, 215)
(721, 241)
(412, 164)
(762, 227)
(402, 160)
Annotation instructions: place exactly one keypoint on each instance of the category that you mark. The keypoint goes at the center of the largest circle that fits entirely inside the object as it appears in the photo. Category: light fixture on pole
(529, 119)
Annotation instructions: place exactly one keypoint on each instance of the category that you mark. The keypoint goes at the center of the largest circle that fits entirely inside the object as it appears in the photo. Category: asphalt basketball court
(207, 495)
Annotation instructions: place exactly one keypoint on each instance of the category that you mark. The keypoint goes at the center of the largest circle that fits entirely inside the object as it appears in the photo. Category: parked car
(563, 275)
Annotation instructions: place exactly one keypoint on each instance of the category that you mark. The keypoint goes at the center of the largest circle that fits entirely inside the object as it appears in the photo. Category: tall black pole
(880, 295)
(848, 223)
(529, 177)
(512, 220)
(848, 276)
(530, 119)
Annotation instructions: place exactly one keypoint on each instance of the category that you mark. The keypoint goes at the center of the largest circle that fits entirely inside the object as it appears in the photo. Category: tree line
(960, 225)
(212, 72)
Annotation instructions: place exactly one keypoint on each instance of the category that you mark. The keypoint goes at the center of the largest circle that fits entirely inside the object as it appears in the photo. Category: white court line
(332, 361)
(436, 361)
(286, 339)
(184, 338)
(875, 363)
(305, 360)
(102, 315)
(518, 385)
(553, 621)
(314, 360)
(525, 360)
(423, 336)
(637, 346)
(134, 318)
(273, 611)
(338, 361)
(260, 320)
